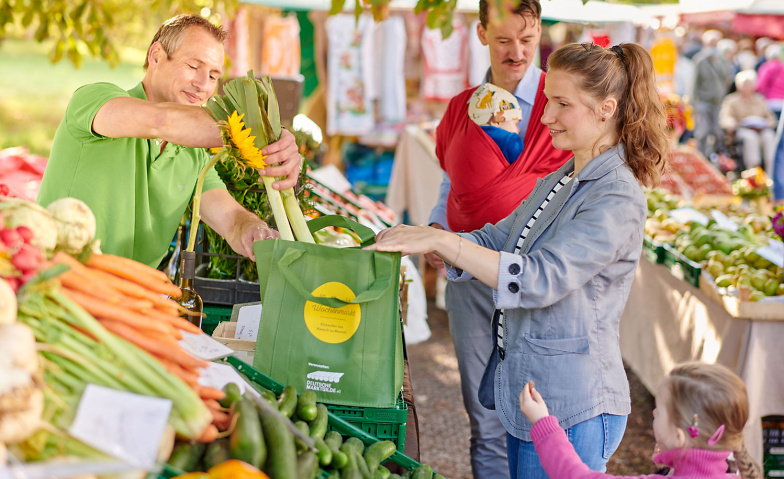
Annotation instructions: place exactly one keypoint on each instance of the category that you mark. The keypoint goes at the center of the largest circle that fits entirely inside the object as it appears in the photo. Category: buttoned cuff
(510, 270)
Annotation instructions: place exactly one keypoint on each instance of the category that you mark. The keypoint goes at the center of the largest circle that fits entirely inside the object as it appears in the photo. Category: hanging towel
(280, 51)
(445, 62)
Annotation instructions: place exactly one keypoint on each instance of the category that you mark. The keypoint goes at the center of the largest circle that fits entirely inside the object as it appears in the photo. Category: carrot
(176, 321)
(220, 419)
(213, 404)
(137, 272)
(190, 378)
(135, 290)
(154, 347)
(171, 336)
(101, 309)
(79, 281)
(209, 434)
(206, 392)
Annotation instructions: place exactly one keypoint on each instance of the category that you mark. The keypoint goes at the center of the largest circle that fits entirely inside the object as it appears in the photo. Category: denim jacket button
(513, 287)
(514, 268)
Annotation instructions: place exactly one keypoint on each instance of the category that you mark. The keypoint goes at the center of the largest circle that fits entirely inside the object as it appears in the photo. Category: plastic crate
(682, 267)
(214, 315)
(653, 250)
(351, 421)
(226, 292)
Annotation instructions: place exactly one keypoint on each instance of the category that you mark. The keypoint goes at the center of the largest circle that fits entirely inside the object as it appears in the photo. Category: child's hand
(532, 404)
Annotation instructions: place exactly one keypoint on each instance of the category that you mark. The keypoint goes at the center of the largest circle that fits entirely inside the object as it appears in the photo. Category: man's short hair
(526, 7)
(173, 30)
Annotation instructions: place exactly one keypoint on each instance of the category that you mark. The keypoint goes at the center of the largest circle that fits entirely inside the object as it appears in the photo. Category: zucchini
(350, 474)
(422, 472)
(216, 453)
(233, 395)
(282, 457)
(379, 452)
(306, 405)
(269, 396)
(438, 476)
(395, 476)
(324, 452)
(287, 402)
(307, 465)
(246, 442)
(318, 427)
(334, 440)
(385, 473)
(185, 456)
(303, 427)
(377, 474)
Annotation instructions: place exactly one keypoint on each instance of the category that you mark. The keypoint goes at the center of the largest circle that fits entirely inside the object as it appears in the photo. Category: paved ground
(443, 423)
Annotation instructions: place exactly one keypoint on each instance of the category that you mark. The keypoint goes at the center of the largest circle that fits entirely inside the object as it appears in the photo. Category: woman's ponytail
(746, 466)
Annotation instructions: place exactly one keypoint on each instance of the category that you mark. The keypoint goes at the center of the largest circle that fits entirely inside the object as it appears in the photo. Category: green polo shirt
(137, 193)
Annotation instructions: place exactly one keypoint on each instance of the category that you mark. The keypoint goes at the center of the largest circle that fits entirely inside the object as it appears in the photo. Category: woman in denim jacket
(563, 262)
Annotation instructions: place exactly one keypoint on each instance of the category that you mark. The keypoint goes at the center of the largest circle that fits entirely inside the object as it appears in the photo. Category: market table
(668, 321)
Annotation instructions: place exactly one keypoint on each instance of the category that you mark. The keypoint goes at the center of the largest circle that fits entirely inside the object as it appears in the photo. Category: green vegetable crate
(682, 267)
(653, 250)
(214, 315)
(374, 423)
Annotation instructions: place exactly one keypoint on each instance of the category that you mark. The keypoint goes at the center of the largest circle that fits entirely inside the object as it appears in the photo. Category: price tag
(723, 221)
(125, 425)
(248, 322)
(203, 346)
(774, 252)
(686, 215)
(217, 375)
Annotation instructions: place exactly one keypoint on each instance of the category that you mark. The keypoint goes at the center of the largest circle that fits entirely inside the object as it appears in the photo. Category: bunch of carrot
(130, 300)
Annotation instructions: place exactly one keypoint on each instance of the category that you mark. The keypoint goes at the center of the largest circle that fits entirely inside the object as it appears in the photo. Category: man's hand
(249, 232)
(284, 154)
(433, 259)
(532, 404)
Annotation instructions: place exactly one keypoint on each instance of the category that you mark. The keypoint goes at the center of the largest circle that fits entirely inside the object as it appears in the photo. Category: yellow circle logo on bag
(332, 325)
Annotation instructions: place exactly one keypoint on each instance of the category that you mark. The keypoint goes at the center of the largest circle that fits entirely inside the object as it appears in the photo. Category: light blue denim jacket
(564, 304)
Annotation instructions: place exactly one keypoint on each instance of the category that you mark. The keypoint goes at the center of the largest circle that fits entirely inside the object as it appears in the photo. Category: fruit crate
(682, 267)
(653, 250)
(213, 316)
(388, 423)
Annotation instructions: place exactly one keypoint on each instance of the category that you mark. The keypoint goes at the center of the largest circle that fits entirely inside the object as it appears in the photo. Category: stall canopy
(761, 18)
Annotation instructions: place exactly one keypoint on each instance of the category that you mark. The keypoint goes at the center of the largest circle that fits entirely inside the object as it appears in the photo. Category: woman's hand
(532, 404)
(408, 239)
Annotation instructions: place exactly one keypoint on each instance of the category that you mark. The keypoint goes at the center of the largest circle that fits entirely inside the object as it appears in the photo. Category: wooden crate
(244, 349)
(738, 308)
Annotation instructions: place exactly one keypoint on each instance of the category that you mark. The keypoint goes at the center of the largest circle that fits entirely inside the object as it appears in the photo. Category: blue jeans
(595, 440)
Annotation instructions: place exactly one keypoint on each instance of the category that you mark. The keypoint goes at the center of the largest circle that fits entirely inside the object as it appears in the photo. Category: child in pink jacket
(700, 413)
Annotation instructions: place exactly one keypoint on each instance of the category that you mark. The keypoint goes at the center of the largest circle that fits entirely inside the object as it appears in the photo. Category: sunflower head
(241, 138)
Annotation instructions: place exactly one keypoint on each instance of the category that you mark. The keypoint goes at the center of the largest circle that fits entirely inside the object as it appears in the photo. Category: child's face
(668, 435)
(509, 125)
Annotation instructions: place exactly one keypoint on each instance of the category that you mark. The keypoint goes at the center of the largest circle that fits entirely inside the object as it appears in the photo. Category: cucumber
(318, 427)
(351, 462)
(378, 474)
(287, 402)
(282, 457)
(355, 444)
(185, 456)
(422, 472)
(269, 396)
(362, 465)
(233, 395)
(379, 452)
(306, 405)
(385, 473)
(334, 440)
(324, 452)
(307, 465)
(246, 442)
(350, 474)
(216, 453)
(438, 476)
(303, 427)
(395, 476)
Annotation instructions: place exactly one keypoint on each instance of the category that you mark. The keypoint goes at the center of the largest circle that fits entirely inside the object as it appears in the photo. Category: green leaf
(56, 53)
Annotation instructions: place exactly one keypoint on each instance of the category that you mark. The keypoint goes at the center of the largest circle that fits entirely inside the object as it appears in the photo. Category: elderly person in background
(771, 79)
(746, 115)
(712, 78)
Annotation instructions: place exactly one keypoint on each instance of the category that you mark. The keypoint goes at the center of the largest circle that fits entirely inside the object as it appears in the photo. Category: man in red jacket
(481, 185)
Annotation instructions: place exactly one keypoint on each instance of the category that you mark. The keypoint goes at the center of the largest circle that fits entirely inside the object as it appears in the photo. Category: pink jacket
(770, 79)
(560, 461)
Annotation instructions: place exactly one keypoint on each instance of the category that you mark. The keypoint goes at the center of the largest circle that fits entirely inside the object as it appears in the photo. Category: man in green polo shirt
(134, 156)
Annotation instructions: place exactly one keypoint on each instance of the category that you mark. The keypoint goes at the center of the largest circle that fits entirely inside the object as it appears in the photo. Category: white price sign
(686, 215)
(203, 346)
(217, 375)
(773, 252)
(248, 320)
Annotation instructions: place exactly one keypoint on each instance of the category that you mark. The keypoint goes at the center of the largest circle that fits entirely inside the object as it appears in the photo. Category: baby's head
(492, 105)
(703, 406)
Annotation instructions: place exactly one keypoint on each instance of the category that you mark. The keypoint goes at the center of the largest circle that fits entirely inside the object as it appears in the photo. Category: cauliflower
(75, 224)
(18, 212)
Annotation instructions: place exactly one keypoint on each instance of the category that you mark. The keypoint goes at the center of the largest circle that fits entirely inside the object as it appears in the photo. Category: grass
(34, 92)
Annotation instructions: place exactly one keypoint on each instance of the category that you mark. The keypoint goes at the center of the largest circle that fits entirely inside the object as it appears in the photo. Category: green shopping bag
(330, 319)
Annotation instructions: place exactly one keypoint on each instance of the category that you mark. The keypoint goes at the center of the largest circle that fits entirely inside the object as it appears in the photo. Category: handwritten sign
(125, 425)
(724, 221)
(773, 252)
(687, 215)
(203, 346)
(248, 322)
(218, 375)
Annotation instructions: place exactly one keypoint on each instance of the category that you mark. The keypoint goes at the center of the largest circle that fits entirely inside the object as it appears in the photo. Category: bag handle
(384, 280)
(366, 235)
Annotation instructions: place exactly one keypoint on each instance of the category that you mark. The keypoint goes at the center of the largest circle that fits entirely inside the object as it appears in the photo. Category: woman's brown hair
(625, 73)
(715, 396)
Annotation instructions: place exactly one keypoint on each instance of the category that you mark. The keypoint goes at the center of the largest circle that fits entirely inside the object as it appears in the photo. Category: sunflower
(241, 137)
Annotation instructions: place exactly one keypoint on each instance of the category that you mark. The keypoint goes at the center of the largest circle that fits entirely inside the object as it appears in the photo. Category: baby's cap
(490, 101)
